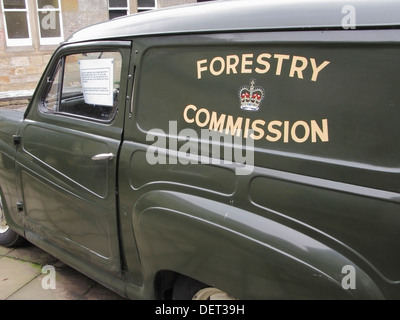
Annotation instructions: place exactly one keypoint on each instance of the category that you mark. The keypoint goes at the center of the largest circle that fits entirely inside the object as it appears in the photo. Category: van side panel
(319, 109)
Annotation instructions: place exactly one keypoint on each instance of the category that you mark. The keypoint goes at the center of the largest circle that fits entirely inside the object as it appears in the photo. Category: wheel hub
(212, 294)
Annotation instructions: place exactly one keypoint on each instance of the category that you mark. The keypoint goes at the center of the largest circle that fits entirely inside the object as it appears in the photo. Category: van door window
(85, 85)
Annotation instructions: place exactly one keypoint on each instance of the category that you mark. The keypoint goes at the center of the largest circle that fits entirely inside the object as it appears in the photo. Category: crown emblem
(251, 97)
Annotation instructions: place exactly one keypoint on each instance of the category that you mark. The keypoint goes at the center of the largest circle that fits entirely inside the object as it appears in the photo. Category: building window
(144, 5)
(118, 8)
(15, 13)
(50, 22)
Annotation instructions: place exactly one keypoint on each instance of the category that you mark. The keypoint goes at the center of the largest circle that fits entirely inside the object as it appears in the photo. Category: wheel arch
(246, 255)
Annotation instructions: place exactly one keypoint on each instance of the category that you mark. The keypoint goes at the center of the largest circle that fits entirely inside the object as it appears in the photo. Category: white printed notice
(97, 81)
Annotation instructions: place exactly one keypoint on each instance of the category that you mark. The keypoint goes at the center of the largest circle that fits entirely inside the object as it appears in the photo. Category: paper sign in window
(97, 81)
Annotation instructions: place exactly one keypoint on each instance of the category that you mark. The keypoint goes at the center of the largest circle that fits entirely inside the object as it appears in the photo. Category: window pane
(14, 4)
(117, 13)
(118, 3)
(146, 3)
(17, 25)
(49, 24)
(45, 3)
(73, 95)
(50, 104)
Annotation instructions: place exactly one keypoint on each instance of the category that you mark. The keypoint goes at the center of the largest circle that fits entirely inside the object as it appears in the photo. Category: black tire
(189, 289)
(186, 288)
(8, 237)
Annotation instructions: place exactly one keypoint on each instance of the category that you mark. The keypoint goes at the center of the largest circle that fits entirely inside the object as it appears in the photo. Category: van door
(69, 145)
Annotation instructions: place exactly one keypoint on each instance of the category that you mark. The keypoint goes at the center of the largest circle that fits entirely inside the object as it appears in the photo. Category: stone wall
(21, 71)
(78, 14)
(22, 67)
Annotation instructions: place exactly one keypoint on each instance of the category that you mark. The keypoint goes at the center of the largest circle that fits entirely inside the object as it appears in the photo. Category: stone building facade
(30, 31)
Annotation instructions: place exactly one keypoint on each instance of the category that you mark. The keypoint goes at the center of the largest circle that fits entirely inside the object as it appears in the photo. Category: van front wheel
(190, 289)
(8, 237)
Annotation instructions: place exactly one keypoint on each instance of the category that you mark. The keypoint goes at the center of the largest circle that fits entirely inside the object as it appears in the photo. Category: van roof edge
(246, 15)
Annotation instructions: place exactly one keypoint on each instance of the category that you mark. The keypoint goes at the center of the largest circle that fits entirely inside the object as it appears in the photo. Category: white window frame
(17, 42)
(141, 9)
(127, 8)
(52, 40)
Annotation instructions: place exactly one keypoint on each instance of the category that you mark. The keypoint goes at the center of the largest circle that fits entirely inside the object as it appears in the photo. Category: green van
(234, 149)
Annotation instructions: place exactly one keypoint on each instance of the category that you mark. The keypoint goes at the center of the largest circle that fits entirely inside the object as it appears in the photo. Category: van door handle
(103, 156)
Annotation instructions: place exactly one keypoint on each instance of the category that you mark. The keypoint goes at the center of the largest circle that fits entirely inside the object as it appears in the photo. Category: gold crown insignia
(251, 97)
